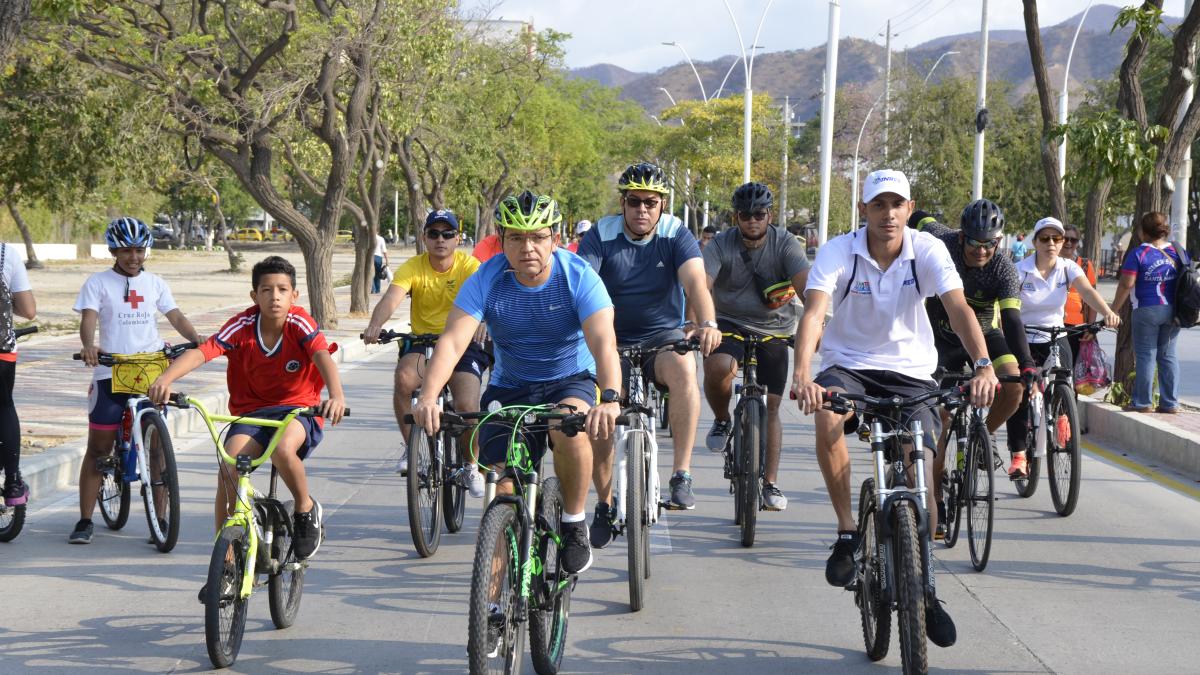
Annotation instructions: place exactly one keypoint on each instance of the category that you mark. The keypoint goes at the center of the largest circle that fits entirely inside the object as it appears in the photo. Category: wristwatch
(610, 396)
(708, 324)
(985, 362)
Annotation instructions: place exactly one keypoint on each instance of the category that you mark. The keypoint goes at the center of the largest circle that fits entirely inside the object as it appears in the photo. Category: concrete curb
(58, 468)
(1143, 435)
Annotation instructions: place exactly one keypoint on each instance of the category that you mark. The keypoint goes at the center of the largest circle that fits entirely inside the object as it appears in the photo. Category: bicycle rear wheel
(164, 482)
(980, 496)
(495, 641)
(424, 493)
(635, 512)
(910, 589)
(1064, 463)
(224, 606)
(285, 588)
(875, 613)
(113, 497)
(953, 484)
(454, 495)
(12, 519)
(548, 620)
(750, 453)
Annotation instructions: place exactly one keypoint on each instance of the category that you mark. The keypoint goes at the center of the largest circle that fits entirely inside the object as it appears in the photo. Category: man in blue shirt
(651, 265)
(551, 323)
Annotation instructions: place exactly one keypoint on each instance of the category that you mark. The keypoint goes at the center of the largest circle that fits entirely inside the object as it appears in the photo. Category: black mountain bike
(12, 518)
(437, 478)
(894, 562)
(746, 453)
(969, 483)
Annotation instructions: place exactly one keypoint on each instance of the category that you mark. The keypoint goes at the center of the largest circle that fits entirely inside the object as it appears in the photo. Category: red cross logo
(134, 299)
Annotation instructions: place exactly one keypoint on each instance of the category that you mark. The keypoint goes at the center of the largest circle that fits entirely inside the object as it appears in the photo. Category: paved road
(1114, 588)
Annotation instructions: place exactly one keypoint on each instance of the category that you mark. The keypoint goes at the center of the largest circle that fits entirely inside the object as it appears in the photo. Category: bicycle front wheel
(750, 452)
(876, 614)
(424, 493)
(953, 484)
(224, 606)
(285, 588)
(12, 519)
(164, 483)
(636, 525)
(910, 589)
(1064, 462)
(981, 492)
(495, 640)
(113, 497)
(454, 495)
(549, 618)
(1033, 464)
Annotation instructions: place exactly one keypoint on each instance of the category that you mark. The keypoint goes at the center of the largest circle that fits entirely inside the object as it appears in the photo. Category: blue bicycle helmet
(127, 232)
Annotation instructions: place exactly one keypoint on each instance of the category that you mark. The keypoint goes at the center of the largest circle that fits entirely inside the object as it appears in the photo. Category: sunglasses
(1071, 240)
(635, 203)
(988, 245)
(756, 216)
(444, 234)
(1048, 238)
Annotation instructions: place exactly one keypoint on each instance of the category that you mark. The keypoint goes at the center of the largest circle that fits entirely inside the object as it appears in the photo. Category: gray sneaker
(681, 491)
(718, 435)
(402, 465)
(773, 499)
(82, 534)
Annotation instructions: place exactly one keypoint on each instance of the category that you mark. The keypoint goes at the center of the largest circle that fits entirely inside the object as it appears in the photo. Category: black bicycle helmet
(753, 197)
(982, 220)
(643, 176)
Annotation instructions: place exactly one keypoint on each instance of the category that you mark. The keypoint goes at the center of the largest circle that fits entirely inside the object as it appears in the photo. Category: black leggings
(1016, 424)
(10, 426)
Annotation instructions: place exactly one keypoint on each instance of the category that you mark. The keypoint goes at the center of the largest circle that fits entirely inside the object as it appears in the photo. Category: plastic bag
(1091, 368)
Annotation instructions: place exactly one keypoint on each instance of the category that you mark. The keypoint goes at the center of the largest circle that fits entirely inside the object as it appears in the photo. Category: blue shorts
(105, 408)
(313, 433)
(493, 438)
(475, 360)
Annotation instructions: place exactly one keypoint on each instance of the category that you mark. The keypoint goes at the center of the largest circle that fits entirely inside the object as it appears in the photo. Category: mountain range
(798, 73)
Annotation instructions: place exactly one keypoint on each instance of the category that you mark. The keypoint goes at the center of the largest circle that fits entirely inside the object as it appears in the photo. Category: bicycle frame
(638, 404)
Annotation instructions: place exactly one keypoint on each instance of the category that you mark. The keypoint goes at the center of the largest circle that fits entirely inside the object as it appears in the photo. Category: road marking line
(1143, 470)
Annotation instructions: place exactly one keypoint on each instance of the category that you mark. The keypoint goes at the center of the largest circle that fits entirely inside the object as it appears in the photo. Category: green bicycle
(256, 539)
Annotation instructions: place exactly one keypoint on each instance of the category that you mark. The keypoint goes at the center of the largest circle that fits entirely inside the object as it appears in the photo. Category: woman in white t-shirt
(381, 262)
(1045, 277)
(123, 301)
(14, 290)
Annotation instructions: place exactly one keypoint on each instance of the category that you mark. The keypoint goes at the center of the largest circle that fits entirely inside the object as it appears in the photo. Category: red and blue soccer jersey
(261, 376)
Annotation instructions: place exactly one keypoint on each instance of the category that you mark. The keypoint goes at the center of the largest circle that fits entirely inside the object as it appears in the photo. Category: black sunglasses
(444, 234)
(635, 203)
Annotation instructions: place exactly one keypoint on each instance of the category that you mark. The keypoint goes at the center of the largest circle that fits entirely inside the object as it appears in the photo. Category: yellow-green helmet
(643, 176)
(527, 212)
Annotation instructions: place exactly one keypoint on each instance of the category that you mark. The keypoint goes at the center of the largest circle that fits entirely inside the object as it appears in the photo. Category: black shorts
(953, 357)
(664, 338)
(883, 383)
(774, 361)
(475, 360)
(493, 438)
(313, 432)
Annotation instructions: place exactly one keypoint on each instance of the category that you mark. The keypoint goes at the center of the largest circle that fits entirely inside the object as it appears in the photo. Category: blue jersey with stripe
(642, 277)
(537, 331)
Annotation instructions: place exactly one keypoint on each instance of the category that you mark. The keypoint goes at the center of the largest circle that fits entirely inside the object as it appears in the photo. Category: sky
(630, 33)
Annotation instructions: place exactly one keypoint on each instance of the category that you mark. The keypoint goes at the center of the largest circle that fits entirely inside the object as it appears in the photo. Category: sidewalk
(1171, 440)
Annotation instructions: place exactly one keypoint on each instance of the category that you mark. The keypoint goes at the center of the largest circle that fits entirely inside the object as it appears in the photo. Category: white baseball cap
(885, 180)
(583, 226)
(1049, 222)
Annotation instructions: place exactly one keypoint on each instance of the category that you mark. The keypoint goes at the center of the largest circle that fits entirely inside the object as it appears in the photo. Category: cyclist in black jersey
(991, 286)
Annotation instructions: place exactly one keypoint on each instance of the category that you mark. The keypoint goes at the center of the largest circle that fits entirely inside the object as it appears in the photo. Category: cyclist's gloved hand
(914, 221)
(1029, 377)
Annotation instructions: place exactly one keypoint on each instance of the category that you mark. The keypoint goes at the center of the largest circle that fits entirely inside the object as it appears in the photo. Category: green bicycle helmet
(528, 212)
(643, 176)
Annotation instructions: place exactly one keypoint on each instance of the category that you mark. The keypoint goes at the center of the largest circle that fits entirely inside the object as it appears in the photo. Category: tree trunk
(1094, 220)
(12, 14)
(31, 261)
(318, 275)
(1123, 360)
(1049, 150)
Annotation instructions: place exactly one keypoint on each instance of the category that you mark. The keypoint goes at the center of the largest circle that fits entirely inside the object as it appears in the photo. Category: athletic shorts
(493, 438)
(883, 383)
(953, 357)
(104, 407)
(664, 338)
(773, 358)
(313, 432)
(475, 360)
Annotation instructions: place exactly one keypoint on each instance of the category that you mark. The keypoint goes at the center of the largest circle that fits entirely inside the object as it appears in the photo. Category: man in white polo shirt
(879, 342)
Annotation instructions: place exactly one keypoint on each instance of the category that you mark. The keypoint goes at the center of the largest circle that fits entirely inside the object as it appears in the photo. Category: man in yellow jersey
(433, 279)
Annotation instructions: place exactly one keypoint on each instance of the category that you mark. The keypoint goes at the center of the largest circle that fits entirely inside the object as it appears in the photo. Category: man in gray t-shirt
(753, 270)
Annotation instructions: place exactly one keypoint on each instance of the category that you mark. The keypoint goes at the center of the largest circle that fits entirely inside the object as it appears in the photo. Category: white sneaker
(773, 499)
(402, 465)
(475, 482)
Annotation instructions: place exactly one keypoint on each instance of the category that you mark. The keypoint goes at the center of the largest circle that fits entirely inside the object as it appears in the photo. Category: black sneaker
(82, 534)
(602, 525)
(681, 491)
(307, 538)
(939, 626)
(576, 553)
(16, 492)
(839, 569)
(940, 533)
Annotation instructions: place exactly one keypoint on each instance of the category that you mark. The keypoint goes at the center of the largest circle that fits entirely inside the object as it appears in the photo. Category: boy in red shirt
(278, 361)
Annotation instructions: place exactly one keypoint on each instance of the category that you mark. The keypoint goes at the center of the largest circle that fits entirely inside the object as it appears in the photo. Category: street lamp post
(1062, 97)
(854, 187)
(695, 72)
(748, 96)
(831, 52)
(935, 65)
(980, 107)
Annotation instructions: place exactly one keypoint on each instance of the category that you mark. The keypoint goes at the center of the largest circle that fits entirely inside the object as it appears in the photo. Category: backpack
(8, 339)
(1187, 290)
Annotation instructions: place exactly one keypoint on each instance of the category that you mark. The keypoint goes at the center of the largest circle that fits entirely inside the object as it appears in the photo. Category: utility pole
(980, 107)
(887, 87)
(787, 139)
(831, 51)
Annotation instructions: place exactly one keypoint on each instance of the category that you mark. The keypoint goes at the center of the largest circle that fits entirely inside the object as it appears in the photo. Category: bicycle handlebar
(679, 347)
(842, 402)
(172, 352)
(386, 336)
(570, 423)
(180, 400)
(28, 330)
(756, 338)
(1056, 332)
